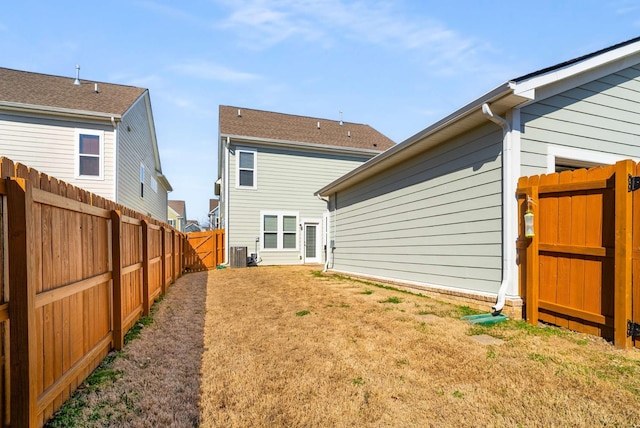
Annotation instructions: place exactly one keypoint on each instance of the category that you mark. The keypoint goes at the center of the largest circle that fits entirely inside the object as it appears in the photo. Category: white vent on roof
(95, 88)
(77, 81)
(318, 125)
(239, 113)
(348, 133)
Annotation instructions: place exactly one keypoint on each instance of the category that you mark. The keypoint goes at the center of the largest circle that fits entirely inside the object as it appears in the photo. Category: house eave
(239, 139)
(468, 117)
(58, 111)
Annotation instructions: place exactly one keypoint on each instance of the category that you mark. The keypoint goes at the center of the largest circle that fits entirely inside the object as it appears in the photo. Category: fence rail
(77, 271)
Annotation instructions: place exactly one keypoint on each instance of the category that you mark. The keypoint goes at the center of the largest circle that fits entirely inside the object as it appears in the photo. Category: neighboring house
(439, 210)
(177, 214)
(269, 165)
(192, 226)
(97, 136)
(214, 214)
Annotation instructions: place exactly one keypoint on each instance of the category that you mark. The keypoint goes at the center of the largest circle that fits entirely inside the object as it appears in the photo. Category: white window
(246, 171)
(279, 230)
(172, 222)
(89, 154)
(154, 184)
(141, 180)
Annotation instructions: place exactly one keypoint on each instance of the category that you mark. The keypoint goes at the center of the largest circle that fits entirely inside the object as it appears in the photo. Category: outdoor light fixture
(528, 219)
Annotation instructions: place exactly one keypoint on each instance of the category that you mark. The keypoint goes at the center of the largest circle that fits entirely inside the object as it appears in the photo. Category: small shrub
(392, 299)
(302, 313)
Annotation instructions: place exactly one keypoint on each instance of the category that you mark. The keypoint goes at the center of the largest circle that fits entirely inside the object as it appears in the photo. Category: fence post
(116, 257)
(146, 304)
(22, 294)
(173, 256)
(163, 259)
(623, 254)
(533, 261)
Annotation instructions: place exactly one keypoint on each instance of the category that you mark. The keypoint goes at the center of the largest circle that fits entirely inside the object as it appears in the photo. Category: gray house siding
(49, 145)
(286, 182)
(134, 148)
(600, 116)
(433, 220)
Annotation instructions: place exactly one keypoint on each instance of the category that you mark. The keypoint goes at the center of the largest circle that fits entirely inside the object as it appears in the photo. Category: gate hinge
(633, 329)
(634, 183)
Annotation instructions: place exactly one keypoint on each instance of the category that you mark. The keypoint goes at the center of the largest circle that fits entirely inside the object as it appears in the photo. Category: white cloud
(264, 23)
(209, 71)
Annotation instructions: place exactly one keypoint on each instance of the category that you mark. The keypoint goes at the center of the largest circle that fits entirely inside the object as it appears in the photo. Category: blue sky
(397, 65)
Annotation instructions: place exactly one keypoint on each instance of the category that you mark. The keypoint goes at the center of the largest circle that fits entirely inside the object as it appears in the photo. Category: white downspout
(507, 214)
(326, 250)
(226, 199)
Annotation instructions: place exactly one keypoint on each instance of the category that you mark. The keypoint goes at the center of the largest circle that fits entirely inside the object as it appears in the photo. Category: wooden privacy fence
(581, 270)
(205, 250)
(80, 271)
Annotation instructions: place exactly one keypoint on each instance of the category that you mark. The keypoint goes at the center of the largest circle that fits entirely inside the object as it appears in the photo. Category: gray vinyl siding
(432, 220)
(602, 115)
(49, 145)
(135, 147)
(286, 181)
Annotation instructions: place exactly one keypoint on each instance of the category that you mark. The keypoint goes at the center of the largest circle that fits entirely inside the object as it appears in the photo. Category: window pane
(246, 178)
(311, 241)
(89, 166)
(270, 240)
(89, 144)
(289, 223)
(289, 240)
(246, 160)
(270, 223)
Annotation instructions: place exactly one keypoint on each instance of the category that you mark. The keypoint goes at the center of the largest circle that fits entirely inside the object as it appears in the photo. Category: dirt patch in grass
(362, 356)
(286, 346)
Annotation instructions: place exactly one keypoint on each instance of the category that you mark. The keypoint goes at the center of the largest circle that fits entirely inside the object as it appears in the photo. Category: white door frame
(317, 223)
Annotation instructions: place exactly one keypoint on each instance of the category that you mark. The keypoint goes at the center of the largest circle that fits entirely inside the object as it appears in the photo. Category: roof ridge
(70, 77)
(295, 115)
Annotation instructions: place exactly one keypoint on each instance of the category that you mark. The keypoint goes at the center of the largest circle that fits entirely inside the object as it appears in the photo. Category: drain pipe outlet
(506, 212)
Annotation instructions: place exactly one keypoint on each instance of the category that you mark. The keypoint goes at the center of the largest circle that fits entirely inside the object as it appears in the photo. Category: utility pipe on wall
(507, 195)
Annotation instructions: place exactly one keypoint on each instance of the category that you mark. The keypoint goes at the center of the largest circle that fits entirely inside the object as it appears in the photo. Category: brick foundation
(513, 307)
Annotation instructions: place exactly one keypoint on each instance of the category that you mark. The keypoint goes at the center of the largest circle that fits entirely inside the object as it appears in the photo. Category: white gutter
(508, 213)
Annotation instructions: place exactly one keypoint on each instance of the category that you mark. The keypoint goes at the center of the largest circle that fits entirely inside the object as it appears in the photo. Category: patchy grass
(253, 364)
(302, 313)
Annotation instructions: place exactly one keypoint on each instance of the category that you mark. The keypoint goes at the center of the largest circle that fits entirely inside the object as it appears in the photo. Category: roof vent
(341, 123)
(318, 125)
(95, 88)
(77, 81)
(348, 133)
(239, 113)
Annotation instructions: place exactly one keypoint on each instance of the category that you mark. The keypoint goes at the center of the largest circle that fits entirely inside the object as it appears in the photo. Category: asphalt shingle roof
(24, 87)
(301, 129)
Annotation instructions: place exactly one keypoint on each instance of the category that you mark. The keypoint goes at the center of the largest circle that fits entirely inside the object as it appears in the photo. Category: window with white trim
(279, 230)
(246, 176)
(90, 154)
(154, 184)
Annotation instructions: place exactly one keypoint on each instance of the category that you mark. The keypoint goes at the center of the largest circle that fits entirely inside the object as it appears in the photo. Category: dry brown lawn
(287, 347)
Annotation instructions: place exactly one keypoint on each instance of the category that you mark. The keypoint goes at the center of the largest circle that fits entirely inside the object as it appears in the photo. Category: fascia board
(299, 145)
(556, 81)
(57, 111)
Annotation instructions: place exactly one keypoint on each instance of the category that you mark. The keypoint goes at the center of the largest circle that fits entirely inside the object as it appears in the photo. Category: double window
(279, 230)
(89, 154)
(246, 174)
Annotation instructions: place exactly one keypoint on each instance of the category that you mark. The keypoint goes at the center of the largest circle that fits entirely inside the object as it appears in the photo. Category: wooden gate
(205, 250)
(576, 271)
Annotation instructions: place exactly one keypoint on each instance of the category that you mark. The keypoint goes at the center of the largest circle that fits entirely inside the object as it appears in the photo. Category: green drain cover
(485, 319)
